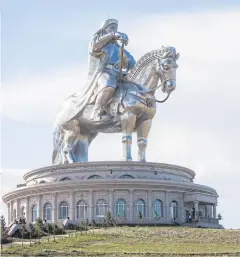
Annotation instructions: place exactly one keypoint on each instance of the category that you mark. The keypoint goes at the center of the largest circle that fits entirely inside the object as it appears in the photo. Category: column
(17, 209)
(149, 204)
(72, 208)
(131, 206)
(54, 208)
(40, 208)
(196, 209)
(211, 211)
(27, 217)
(166, 207)
(91, 205)
(181, 217)
(214, 211)
(205, 211)
(9, 213)
(111, 203)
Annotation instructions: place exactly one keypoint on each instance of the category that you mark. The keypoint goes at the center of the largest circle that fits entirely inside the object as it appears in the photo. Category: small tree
(30, 229)
(93, 225)
(39, 227)
(81, 227)
(62, 230)
(55, 231)
(49, 229)
(23, 231)
(108, 220)
(140, 216)
(156, 216)
(87, 225)
(125, 217)
(3, 229)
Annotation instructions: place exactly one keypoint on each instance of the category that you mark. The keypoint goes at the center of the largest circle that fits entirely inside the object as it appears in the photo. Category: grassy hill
(134, 242)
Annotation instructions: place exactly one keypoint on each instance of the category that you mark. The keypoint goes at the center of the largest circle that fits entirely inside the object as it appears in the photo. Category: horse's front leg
(128, 121)
(70, 138)
(142, 135)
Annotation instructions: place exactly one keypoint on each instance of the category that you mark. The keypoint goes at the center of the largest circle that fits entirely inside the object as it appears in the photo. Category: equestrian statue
(118, 98)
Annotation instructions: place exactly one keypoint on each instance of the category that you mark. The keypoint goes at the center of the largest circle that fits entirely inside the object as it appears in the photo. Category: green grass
(137, 241)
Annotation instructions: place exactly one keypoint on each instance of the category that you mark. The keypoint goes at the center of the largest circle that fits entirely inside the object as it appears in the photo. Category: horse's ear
(177, 55)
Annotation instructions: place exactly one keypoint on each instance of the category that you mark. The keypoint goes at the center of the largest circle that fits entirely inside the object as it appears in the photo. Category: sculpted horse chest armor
(126, 106)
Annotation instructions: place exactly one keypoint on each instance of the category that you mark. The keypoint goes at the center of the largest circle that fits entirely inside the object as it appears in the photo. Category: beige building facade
(150, 193)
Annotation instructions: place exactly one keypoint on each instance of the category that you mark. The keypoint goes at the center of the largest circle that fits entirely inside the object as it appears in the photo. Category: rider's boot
(103, 98)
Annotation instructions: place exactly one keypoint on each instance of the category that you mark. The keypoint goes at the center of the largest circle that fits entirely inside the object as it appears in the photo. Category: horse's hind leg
(128, 121)
(80, 151)
(81, 146)
(142, 135)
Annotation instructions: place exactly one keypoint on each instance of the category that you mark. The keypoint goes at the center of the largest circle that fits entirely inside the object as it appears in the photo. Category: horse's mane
(149, 57)
(143, 61)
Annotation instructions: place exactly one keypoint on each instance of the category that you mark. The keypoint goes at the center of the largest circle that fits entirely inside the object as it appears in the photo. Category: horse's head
(167, 68)
(156, 65)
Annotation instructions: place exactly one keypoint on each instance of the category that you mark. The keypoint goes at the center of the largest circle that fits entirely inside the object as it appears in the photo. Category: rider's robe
(99, 60)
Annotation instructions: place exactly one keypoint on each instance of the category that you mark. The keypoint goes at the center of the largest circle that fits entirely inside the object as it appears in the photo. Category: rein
(165, 99)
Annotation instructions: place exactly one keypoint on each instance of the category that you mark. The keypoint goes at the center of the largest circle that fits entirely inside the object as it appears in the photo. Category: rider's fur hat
(106, 23)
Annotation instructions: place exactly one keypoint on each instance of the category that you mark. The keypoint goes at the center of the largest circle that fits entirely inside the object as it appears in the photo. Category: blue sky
(42, 35)
(44, 56)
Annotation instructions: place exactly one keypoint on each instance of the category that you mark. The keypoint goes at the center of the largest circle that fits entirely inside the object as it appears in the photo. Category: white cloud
(8, 180)
(199, 125)
(208, 44)
(39, 98)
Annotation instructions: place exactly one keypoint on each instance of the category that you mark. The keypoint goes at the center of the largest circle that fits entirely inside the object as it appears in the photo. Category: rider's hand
(122, 37)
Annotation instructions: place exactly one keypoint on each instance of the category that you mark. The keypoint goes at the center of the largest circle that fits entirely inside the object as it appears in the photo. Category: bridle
(160, 85)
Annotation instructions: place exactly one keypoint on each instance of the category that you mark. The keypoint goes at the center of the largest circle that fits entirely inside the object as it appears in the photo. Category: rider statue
(108, 63)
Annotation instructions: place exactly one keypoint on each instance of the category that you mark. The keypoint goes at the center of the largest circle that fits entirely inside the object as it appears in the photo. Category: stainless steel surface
(114, 100)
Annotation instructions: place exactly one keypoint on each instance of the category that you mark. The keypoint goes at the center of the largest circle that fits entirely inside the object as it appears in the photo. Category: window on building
(34, 213)
(95, 177)
(47, 212)
(126, 176)
(140, 208)
(174, 209)
(81, 209)
(101, 208)
(121, 208)
(158, 208)
(63, 210)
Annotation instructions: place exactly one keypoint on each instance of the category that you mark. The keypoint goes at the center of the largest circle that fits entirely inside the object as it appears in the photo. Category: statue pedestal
(133, 192)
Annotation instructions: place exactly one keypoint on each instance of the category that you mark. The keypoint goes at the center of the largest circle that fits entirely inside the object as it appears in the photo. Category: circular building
(133, 192)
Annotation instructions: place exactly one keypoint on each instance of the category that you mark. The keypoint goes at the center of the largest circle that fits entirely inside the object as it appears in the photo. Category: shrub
(56, 230)
(108, 220)
(49, 228)
(71, 227)
(4, 238)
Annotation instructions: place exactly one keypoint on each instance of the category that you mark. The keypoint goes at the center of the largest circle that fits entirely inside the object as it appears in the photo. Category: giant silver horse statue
(119, 97)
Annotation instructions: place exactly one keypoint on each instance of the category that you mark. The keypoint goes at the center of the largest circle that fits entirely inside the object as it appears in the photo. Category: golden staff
(121, 57)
